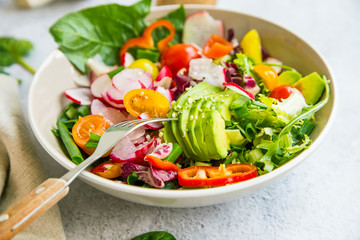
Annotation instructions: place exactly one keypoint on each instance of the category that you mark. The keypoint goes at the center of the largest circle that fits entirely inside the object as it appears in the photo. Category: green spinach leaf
(13, 50)
(100, 30)
(157, 235)
(177, 18)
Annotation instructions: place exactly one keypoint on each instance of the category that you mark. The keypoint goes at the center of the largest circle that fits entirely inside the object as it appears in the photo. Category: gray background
(318, 200)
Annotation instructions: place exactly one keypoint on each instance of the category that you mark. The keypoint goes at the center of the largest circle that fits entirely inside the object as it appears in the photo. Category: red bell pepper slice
(161, 164)
(147, 41)
(206, 176)
(217, 47)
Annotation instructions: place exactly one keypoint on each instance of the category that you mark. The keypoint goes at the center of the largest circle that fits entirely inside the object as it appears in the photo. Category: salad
(241, 112)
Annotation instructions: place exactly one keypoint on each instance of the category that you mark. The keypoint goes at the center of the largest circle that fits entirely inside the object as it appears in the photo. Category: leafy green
(13, 50)
(157, 235)
(177, 18)
(282, 151)
(244, 63)
(133, 179)
(100, 30)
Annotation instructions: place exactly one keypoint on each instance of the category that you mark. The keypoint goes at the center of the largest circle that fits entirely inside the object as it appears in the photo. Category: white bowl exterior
(46, 102)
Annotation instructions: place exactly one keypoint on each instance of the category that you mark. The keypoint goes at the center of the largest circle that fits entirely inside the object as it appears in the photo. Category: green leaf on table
(100, 30)
(13, 50)
(157, 235)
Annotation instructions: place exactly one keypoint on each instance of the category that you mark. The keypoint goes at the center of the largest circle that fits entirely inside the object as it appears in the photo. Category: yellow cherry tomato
(148, 101)
(147, 66)
(251, 45)
(108, 169)
(268, 74)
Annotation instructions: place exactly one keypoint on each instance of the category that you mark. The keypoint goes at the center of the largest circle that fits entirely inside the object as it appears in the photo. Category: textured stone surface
(318, 200)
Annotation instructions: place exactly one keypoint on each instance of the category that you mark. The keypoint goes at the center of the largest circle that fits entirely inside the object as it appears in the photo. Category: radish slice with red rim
(80, 96)
(113, 114)
(199, 27)
(238, 89)
(100, 85)
(126, 59)
(166, 92)
(152, 126)
(132, 78)
(111, 103)
(125, 150)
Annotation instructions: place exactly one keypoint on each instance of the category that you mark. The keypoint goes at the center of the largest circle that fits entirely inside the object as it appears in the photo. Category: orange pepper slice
(268, 74)
(217, 47)
(147, 41)
(161, 164)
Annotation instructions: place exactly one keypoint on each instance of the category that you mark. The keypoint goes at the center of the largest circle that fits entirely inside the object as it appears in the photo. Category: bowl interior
(46, 102)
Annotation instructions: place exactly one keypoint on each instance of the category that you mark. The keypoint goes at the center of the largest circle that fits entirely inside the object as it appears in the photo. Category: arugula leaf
(274, 148)
(100, 30)
(157, 235)
(13, 50)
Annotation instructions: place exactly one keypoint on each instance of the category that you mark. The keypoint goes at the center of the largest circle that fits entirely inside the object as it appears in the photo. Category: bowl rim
(208, 192)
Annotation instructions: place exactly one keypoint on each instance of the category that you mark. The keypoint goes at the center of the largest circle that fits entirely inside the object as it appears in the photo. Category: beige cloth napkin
(20, 168)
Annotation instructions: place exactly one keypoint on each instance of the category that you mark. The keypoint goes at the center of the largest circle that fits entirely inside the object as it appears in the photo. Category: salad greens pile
(241, 112)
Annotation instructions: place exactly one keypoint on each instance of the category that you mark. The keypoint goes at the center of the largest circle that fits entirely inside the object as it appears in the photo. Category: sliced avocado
(199, 131)
(176, 110)
(168, 134)
(312, 87)
(215, 135)
(222, 103)
(289, 78)
(185, 114)
(193, 118)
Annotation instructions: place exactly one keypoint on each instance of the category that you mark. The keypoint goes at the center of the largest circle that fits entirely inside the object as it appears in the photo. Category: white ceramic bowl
(46, 102)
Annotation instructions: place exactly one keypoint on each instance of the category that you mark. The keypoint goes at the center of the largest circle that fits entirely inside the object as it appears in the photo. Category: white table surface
(320, 199)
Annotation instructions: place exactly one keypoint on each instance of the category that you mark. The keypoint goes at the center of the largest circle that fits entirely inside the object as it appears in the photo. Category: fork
(52, 190)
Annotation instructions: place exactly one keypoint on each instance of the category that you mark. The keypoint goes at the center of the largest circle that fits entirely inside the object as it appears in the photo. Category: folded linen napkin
(20, 168)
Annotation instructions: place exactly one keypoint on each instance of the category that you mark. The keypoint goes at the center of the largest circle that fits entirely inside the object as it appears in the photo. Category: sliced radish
(204, 69)
(164, 82)
(199, 27)
(238, 89)
(139, 140)
(115, 95)
(166, 92)
(80, 96)
(98, 67)
(125, 150)
(111, 103)
(113, 114)
(152, 126)
(132, 78)
(136, 134)
(164, 78)
(274, 61)
(126, 59)
(100, 85)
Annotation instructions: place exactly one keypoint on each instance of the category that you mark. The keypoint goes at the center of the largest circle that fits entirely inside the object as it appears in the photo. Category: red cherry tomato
(178, 56)
(281, 92)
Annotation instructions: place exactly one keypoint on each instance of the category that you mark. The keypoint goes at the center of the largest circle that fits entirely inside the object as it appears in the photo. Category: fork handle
(53, 189)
